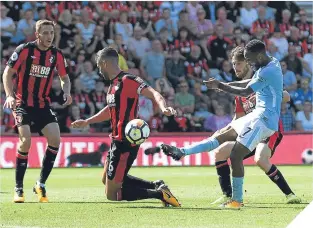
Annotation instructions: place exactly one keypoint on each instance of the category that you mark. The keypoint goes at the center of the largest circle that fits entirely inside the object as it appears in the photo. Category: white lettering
(3, 147)
(79, 146)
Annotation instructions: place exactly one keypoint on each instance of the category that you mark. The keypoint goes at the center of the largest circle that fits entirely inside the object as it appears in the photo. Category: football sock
(277, 177)
(140, 183)
(223, 172)
(205, 145)
(237, 189)
(134, 193)
(47, 163)
(21, 166)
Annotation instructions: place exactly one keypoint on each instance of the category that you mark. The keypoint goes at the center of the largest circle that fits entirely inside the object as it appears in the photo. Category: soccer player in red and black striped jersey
(34, 63)
(122, 107)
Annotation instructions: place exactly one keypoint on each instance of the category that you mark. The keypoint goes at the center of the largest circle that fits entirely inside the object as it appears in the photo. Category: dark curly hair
(255, 46)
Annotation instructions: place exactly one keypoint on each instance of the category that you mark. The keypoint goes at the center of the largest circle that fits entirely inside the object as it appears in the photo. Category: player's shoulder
(23, 46)
(132, 77)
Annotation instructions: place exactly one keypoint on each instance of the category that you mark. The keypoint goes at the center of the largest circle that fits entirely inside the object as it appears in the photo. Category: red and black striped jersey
(35, 71)
(122, 100)
(285, 28)
(184, 46)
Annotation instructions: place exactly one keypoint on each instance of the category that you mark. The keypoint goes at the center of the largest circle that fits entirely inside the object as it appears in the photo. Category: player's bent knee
(25, 143)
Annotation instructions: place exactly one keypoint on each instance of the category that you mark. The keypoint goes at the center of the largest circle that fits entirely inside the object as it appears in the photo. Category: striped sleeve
(18, 57)
(62, 66)
(134, 85)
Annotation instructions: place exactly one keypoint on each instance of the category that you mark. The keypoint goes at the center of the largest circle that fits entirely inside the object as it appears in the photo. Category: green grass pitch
(77, 200)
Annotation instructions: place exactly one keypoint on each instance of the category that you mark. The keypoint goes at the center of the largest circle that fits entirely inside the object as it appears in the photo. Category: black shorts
(36, 118)
(119, 160)
(272, 142)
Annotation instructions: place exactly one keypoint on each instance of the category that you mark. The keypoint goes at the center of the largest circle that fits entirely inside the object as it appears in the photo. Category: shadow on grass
(176, 208)
(95, 202)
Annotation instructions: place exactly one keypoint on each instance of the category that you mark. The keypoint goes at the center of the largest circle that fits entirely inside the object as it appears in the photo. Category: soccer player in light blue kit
(251, 129)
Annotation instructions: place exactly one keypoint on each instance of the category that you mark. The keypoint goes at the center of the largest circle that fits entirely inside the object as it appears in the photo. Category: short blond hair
(41, 23)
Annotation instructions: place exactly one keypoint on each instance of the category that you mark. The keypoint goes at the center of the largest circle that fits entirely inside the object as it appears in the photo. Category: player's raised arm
(103, 115)
(238, 91)
(159, 99)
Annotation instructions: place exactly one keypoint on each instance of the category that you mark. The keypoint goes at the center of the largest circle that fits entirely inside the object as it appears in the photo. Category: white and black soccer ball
(137, 131)
(307, 156)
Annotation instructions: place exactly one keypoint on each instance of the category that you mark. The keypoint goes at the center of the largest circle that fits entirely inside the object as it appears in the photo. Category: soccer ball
(137, 131)
(307, 156)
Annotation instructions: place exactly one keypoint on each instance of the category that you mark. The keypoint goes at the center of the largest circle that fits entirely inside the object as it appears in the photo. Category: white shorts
(251, 130)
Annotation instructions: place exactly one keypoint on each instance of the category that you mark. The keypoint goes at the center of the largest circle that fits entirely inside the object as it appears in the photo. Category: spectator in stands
(248, 15)
(196, 66)
(306, 28)
(25, 28)
(308, 59)
(164, 88)
(183, 42)
(89, 77)
(269, 12)
(222, 20)
(32, 6)
(123, 27)
(202, 102)
(42, 14)
(280, 41)
(168, 23)
(75, 114)
(175, 69)
(166, 44)
(192, 8)
(97, 42)
(305, 118)
(138, 46)
(232, 9)
(145, 109)
(217, 121)
(68, 31)
(272, 50)
(108, 25)
(218, 45)
(153, 9)
(185, 22)
(293, 62)
(146, 24)
(266, 26)
(175, 6)
(282, 5)
(226, 73)
(204, 26)
(14, 9)
(153, 63)
(57, 102)
(98, 96)
(294, 40)
(304, 93)
(287, 117)
(290, 80)
(285, 25)
(86, 27)
(7, 26)
(82, 99)
(184, 100)
(238, 38)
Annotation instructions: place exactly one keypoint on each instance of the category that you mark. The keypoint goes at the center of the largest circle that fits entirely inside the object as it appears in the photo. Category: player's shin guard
(140, 183)
(205, 145)
(21, 166)
(223, 172)
(277, 177)
(134, 193)
(47, 164)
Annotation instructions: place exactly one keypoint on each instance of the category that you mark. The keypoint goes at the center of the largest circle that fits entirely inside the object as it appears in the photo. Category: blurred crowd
(173, 46)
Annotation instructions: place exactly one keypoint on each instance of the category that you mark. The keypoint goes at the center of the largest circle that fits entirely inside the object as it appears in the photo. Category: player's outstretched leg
(262, 159)
(21, 162)
(52, 133)
(205, 145)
